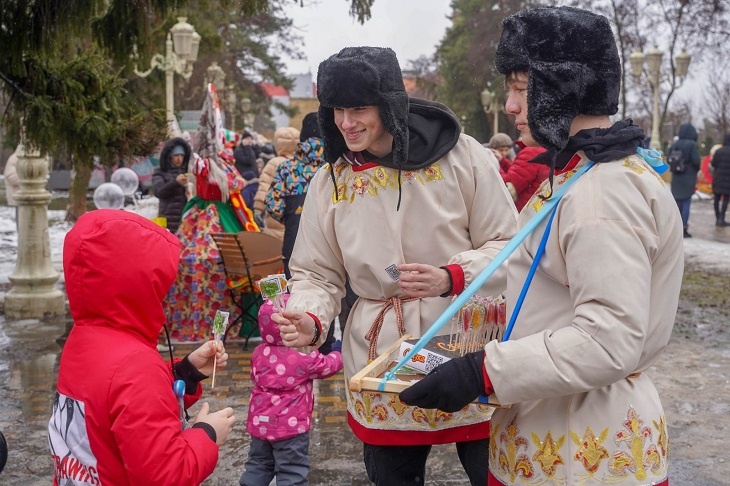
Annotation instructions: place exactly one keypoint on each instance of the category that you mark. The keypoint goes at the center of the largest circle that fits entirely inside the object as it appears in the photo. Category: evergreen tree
(465, 59)
(62, 69)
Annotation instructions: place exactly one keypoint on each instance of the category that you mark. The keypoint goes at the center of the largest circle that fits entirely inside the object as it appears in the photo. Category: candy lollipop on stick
(272, 289)
(220, 322)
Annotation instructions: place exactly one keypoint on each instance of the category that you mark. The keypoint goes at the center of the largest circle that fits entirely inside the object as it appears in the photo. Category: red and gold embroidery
(663, 440)
(510, 460)
(591, 452)
(493, 430)
(398, 407)
(634, 436)
(634, 166)
(361, 185)
(381, 176)
(433, 173)
(341, 193)
(369, 181)
(430, 416)
(367, 411)
(548, 453)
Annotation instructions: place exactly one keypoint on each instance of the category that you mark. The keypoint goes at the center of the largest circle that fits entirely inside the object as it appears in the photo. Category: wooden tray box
(369, 378)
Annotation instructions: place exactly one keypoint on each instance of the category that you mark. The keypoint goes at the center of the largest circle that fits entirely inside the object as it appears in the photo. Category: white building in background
(303, 87)
(279, 96)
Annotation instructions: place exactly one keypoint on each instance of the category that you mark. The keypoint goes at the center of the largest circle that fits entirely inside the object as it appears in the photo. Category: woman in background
(169, 182)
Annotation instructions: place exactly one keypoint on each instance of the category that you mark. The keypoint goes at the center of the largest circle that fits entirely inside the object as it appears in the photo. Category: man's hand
(182, 179)
(202, 358)
(421, 280)
(296, 328)
(450, 386)
(222, 421)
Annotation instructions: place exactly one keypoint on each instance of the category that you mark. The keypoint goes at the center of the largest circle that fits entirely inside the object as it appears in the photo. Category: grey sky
(410, 27)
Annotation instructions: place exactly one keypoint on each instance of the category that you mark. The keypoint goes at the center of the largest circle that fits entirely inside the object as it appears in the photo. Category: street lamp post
(215, 74)
(653, 66)
(181, 51)
(231, 98)
(491, 104)
(246, 107)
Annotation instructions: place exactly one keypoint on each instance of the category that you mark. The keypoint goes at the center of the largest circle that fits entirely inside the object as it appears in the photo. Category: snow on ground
(703, 252)
(708, 253)
(57, 229)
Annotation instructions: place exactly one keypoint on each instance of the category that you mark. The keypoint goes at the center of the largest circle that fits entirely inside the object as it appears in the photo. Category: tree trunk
(77, 192)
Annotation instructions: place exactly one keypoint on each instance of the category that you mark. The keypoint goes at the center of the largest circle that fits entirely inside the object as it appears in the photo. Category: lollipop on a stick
(272, 289)
(220, 322)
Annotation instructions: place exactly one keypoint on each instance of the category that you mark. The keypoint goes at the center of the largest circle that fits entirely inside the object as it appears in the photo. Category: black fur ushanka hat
(572, 63)
(363, 76)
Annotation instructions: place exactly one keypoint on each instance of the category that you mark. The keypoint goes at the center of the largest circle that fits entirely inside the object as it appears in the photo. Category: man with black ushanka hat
(603, 299)
(412, 210)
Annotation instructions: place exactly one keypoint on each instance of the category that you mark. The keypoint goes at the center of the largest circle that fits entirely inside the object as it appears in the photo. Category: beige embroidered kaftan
(598, 314)
(455, 211)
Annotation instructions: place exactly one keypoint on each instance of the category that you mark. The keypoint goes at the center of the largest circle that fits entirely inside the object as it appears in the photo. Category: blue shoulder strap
(484, 275)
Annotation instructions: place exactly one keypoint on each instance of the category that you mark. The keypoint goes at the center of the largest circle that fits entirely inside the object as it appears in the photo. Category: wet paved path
(29, 356)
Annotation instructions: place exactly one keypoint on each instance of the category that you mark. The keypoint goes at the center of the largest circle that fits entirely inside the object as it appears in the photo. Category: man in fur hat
(604, 296)
(412, 210)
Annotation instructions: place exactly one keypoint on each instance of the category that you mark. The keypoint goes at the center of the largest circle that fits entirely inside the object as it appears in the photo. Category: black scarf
(599, 145)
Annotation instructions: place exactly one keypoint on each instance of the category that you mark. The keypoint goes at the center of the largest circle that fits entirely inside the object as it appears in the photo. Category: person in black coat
(170, 180)
(683, 184)
(721, 180)
(245, 155)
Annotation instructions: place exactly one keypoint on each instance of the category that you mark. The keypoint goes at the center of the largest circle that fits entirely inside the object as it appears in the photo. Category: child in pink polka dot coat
(280, 409)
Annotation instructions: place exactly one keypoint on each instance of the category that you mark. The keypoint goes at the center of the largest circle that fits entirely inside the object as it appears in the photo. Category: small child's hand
(203, 357)
(222, 421)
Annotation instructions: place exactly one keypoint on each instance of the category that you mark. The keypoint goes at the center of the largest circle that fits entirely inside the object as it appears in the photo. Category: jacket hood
(165, 163)
(726, 140)
(433, 130)
(267, 327)
(687, 131)
(118, 268)
(285, 141)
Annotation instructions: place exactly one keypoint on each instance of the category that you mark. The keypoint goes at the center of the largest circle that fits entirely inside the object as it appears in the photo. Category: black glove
(450, 386)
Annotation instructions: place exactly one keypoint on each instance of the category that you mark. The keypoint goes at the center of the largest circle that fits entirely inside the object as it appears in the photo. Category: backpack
(677, 163)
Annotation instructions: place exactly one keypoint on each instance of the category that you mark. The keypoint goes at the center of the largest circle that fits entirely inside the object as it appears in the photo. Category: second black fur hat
(310, 127)
(572, 63)
(363, 76)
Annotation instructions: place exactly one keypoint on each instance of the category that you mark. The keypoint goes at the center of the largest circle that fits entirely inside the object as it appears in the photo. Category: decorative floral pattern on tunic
(389, 413)
(514, 460)
(368, 182)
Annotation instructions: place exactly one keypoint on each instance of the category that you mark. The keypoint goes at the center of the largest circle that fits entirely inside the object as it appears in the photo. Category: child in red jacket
(116, 419)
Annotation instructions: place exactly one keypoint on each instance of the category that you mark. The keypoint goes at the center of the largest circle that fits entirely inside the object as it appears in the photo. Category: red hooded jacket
(115, 417)
(526, 177)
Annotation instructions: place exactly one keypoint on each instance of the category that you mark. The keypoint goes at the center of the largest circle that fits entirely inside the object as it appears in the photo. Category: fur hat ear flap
(551, 113)
(394, 114)
(334, 143)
